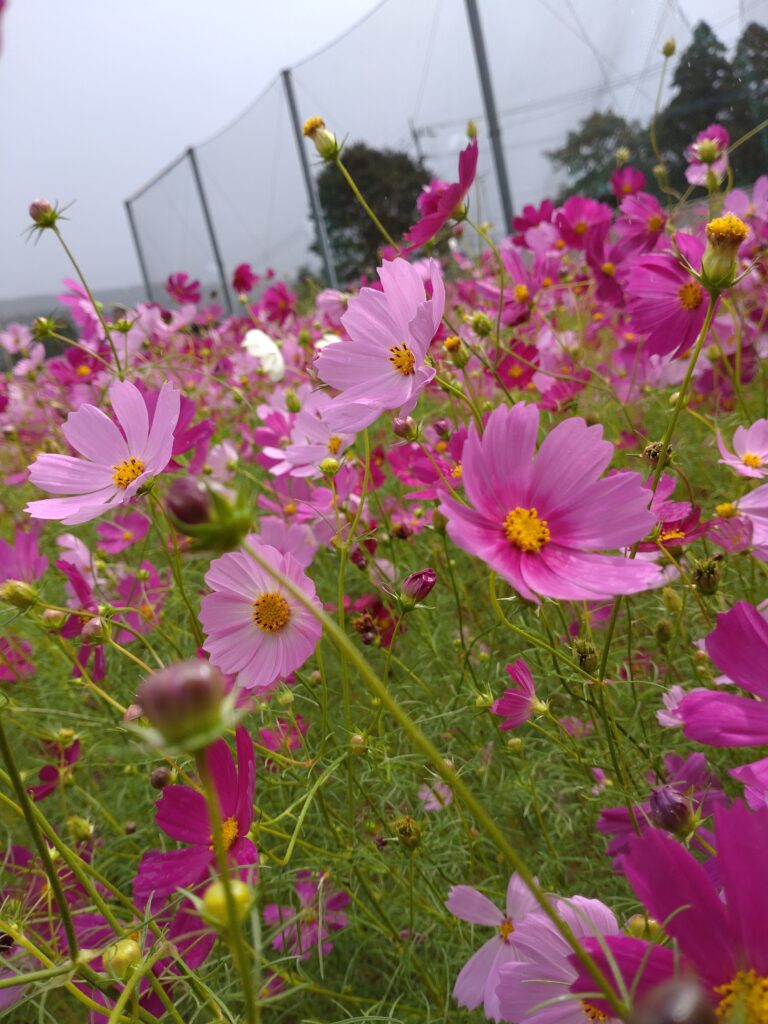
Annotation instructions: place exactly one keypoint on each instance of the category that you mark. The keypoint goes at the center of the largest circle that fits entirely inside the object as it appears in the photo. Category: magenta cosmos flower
(181, 288)
(320, 912)
(117, 458)
(720, 938)
(517, 705)
(665, 302)
(539, 520)
(254, 626)
(751, 450)
(479, 977)
(182, 813)
(382, 365)
(439, 202)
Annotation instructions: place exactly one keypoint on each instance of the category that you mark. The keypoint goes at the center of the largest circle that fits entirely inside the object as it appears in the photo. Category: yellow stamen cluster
(609, 269)
(312, 125)
(334, 443)
(655, 222)
(229, 832)
(505, 930)
(729, 230)
(402, 359)
(271, 612)
(751, 460)
(691, 295)
(126, 472)
(726, 510)
(745, 999)
(525, 530)
(521, 293)
(592, 1013)
(83, 370)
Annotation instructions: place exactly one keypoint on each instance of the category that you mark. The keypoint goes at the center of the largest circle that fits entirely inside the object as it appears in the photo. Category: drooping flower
(751, 450)
(517, 705)
(320, 912)
(439, 202)
(708, 155)
(182, 813)
(117, 458)
(479, 977)
(254, 626)
(181, 288)
(382, 365)
(542, 521)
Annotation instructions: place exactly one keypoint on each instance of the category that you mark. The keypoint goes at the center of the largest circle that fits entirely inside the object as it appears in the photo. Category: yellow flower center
(525, 530)
(402, 359)
(609, 269)
(751, 460)
(559, 244)
(146, 611)
(655, 222)
(126, 472)
(451, 344)
(521, 293)
(691, 295)
(592, 1013)
(289, 509)
(441, 446)
(672, 535)
(744, 1000)
(229, 832)
(127, 534)
(271, 612)
(334, 443)
(580, 227)
(505, 929)
(726, 510)
(457, 471)
(312, 125)
(83, 370)
(729, 230)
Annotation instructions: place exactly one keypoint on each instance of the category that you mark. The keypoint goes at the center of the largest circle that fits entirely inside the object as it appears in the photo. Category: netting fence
(407, 77)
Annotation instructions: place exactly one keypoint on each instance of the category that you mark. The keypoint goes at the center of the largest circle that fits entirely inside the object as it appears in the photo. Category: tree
(750, 106)
(589, 154)
(390, 181)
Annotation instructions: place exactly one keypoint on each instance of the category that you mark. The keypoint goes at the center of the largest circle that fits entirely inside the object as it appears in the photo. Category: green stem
(363, 202)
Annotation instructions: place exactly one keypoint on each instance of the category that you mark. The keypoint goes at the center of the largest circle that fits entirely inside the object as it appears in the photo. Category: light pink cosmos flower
(542, 521)
(751, 448)
(517, 705)
(118, 458)
(435, 797)
(254, 626)
(382, 365)
(479, 977)
(312, 440)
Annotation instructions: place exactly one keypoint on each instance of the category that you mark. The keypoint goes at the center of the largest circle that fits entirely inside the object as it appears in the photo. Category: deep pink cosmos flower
(182, 814)
(21, 560)
(640, 224)
(719, 938)
(283, 738)
(117, 459)
(255, 627)
(64, 755)
(539, 520)
(479, 977)
(320, 912)
(517, 705)
(751, 448)
(243, 279)
(382, 365)
(440, 202)
(579, 216)
(626, 181)
(738, 645)
(665, 302)
(126, 530)
(708, 154)
(534, 988)
(278, 303)
(182, 289)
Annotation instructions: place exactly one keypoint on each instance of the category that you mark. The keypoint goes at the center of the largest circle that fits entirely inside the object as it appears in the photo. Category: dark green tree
(390, 181)
(589, 154)
(750, 106)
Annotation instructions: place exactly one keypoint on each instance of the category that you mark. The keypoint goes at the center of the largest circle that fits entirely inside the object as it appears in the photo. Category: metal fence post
(489, 102)
(209, 227)
(137, 247)
(309, 183)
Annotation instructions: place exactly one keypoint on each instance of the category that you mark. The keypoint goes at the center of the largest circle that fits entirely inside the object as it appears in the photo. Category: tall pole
(489, 102)
(209, 227)
(137, 247)
(309, 183)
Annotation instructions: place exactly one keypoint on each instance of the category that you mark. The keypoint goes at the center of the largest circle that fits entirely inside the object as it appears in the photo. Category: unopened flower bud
(481, 324)
(719, 264)
(183, 700)
(706, 576)
(671, 811)
(96, 631)
(357, 745)
(188, 501)
(660, 174)
(42, 213)
(160, 777)
(669, 47)
(439, 521)
(121, 959)
(17, 593)
(79, 828)
(215, 910)
(417, 586)
(358, 559)
(292, 401)
(458, 352)
(330, 467)
(663, 632)
(641, 927)
(408, 832)
(405, 427)
(471, 130)
(677, 1001)
(672, 600)
(285, 698)
(586, 654)
(324, 140)
(623, 156)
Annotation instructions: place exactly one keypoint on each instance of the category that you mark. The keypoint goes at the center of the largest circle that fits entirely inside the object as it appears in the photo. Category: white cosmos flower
(259, 345)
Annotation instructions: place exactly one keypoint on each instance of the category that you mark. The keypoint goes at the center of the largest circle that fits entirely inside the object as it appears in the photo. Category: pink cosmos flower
(382, 365)
(312, 440)
(320, 912)
(440, 202)
(533, 989)
(243, 279)
(182, 289)
(255, 627)
(182, 814)
(708, 153)
(278, 303)
(540, 520)
(64, 756)
(718, 937)
(283, 738)
(626, 181)
(435, 797)
(665, 302)
(117, 460)
(640, 224)
(751, 448)
(517, 705)
(479, 977)
(670, 716)
(579, 216)
(126, 530)
(22, 559)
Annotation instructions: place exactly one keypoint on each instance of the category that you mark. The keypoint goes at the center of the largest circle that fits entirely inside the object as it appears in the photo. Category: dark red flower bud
(183, 700)
(418, 585)
(671, 811)
(188, 501)
(160, 777)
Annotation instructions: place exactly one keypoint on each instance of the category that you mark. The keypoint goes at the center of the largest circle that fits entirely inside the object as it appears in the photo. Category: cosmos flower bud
(330, 467)
(183, 701)
(471, 130)
(641, 927)
(121, 959)
(671, 811)
(439, 521)
(481, 324)
(160, 777)
(458, 352)
(188, 501)
(213, 515)
(669, 47)
(720, 261)
(660, 174)
(292, 401)
(678, 1001)
(405, 427)
(586, 654)
(18, 594)
(42, 213)
(325, 141)
(215, 910)
(672, 600)
(663, 632)
(408, 832)
(417, 586)
(357, 745)
(95, 631)
(622, 156)
(706, 576)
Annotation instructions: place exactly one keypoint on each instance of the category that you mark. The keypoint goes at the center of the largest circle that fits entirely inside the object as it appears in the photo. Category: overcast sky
(97, 95)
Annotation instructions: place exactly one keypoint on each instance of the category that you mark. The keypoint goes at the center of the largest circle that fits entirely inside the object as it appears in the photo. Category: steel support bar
(139, 251)
(489, 102)
(309, 183)
(209, 227)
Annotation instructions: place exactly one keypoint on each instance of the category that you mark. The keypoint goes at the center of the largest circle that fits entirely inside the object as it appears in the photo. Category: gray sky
(98, 95)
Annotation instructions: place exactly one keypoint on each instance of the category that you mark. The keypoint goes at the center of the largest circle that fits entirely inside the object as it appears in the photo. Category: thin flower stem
(363, 202)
